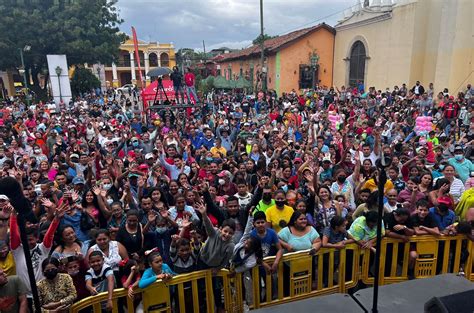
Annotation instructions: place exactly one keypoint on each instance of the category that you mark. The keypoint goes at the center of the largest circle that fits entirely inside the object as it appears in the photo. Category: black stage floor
(409, 297)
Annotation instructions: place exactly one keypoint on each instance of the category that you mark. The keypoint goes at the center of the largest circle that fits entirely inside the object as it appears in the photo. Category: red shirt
(189, 79)
(273, 116)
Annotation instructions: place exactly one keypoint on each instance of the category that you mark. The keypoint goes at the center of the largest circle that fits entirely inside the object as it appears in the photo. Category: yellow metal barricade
(188, 292)
(435, 255)
(299, 276)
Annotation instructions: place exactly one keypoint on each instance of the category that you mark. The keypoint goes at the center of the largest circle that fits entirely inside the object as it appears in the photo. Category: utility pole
(262, 48)
(204, 49)
(25, 88)
(205, 58)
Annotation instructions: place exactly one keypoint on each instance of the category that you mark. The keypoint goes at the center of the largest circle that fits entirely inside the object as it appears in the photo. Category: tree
(258, 40)
(83, 80)
(85, 31)
(188, 57)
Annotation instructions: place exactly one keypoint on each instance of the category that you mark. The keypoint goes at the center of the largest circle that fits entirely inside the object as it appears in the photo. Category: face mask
(209, 159)
(441, 167)
(110, 201)
(161, 230)
(135, 143)
(73, 273)
(458, 157)
(221, 182)
(328, 134)
(267, 197)
(37, 150)
(341, 178)
(107, 186)
(280, 203)
(51, 274)
(285, 188)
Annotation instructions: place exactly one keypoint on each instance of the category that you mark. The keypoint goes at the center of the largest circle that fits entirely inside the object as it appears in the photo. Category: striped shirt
(456, 189)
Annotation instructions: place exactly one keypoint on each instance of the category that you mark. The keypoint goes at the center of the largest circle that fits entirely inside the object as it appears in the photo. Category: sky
(230, 23)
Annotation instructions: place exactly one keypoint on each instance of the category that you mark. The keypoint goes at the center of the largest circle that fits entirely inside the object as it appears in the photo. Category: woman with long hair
(94, 206)
(440, 194)
(326, 209)
(68, 244)
(426, 183)
(130, 235)
(299, 235)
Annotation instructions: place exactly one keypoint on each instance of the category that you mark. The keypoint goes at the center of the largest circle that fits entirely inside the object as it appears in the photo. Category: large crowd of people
(123, 197)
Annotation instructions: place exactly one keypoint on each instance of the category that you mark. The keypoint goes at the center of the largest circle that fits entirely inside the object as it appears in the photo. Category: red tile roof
(272, 45)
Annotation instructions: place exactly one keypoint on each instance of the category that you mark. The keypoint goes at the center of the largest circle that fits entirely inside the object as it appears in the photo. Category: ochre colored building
(287, 60)
(152, 54)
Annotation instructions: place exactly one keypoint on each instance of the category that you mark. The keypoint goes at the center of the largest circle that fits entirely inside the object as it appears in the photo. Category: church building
(384, 43)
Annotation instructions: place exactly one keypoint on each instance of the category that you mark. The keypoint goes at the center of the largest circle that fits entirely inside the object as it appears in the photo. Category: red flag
(137, 56)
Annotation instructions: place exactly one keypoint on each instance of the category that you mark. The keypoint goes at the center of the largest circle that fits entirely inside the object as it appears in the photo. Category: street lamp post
(25, 48)
(59, 70)
(98, 76)
(314, 64)
(251, 75)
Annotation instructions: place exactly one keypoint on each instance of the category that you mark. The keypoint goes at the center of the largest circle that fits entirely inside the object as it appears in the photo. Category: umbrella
(159, 71)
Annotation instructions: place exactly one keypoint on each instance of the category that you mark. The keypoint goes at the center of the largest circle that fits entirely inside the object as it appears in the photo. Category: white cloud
(228, 44)
(234, 23)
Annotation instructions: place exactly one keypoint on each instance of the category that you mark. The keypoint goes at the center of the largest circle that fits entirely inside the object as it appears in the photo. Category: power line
(309, 23)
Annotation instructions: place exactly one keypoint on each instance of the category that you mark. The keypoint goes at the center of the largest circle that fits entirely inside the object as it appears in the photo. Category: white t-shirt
(38, 255)
(372, 157)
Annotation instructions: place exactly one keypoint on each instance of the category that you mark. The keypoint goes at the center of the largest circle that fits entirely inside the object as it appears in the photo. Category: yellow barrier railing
(435, 255)
(299, 276)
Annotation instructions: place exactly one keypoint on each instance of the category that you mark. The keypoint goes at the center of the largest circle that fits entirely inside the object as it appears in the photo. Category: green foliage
(83, 80)
(189, 57)
(258, 40)
(84, 30)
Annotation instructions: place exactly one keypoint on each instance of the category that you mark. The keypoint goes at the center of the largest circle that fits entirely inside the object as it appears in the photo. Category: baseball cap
(4, 197)
(327, 159)
(298, 160)
(246, 124)
(149, 156)
(451, 97)
(458, 148)
(74, 155)
(224, 173)
(78, 180)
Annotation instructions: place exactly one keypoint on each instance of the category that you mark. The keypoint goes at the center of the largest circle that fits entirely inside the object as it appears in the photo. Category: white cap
(149, 156)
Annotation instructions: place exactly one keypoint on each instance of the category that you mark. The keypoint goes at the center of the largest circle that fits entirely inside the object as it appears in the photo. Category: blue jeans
(192, 91)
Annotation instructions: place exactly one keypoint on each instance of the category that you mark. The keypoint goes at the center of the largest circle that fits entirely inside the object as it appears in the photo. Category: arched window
(153, 59)
(165, 60)
(357, 63)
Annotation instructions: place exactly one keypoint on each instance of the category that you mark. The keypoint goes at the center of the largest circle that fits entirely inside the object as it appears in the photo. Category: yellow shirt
(370, 184)
(215, 152)
(276, 216)
(8, 265)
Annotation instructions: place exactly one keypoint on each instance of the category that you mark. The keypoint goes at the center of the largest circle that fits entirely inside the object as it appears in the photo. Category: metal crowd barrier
(299, 276)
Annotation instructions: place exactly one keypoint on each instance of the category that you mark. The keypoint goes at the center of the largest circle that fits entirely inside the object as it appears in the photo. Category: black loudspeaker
(412, 295)
(462, 302)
